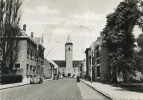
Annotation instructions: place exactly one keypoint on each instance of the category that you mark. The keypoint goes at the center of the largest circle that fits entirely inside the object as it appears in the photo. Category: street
(66, 88)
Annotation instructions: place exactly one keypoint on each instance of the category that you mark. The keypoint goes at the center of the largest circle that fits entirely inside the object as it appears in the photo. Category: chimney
(32, 34)
(24, 27)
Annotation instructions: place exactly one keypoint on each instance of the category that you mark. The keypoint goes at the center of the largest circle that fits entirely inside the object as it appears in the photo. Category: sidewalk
(6, 86)
(115, 93)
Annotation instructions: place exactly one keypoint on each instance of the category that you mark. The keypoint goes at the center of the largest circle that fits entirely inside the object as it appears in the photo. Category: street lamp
(92, 51)
(49, 52)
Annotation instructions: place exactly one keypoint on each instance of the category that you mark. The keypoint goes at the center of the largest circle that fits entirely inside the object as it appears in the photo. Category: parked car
(56, 76)
(61, 77)
(74, 76)
(36, 79)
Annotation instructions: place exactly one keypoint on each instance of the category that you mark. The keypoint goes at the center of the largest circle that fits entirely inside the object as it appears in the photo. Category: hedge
(7, 79)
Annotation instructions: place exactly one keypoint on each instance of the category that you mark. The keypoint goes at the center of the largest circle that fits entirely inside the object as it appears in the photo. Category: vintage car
(74, 76)
(36, 79)
(61, 77)
(56, 77)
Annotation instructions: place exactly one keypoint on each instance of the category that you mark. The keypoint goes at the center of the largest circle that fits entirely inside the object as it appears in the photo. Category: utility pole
(91, 66)
(49, 52)
(92, 53)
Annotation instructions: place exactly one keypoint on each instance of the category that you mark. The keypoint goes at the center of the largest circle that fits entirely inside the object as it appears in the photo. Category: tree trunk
(114, 76)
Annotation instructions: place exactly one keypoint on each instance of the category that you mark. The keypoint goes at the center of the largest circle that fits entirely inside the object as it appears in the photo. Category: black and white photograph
(71, 49)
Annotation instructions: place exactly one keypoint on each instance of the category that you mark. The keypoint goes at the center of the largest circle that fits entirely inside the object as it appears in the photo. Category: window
(98, 61)
(34, 70)
(42, 56)
(1, 53)
(30, 70)
(31, 54)
(27, 67)
(35, 56)
(69, 48)
(28, 52)
(97, 48)
(97, 53)
(98, 71)
(74, 70)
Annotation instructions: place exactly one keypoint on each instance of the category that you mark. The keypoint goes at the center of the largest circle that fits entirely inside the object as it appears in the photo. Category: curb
(102, 92)
(19, 85)
(47, 80)
(14, 86)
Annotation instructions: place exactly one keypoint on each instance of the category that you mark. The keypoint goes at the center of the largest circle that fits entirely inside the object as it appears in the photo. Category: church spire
(69, 41)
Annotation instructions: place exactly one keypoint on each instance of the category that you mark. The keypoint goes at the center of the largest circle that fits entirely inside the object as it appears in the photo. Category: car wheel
(31, 82)
(41, 81)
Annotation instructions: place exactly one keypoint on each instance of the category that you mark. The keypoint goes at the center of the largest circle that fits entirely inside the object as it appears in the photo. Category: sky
(82, 20)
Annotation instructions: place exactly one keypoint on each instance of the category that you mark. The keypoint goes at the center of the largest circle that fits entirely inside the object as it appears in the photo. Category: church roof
(62, 63)
(69, 40)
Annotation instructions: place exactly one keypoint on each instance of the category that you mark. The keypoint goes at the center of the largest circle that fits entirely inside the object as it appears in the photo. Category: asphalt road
(63, 89)
(54, 89)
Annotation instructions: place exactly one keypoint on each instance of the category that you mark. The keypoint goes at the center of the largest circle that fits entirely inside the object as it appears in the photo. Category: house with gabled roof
(30, 55)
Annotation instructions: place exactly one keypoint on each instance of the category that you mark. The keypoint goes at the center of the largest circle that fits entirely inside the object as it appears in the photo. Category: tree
(119, 37)
(9, 25)
(140, 42)
(138, 55)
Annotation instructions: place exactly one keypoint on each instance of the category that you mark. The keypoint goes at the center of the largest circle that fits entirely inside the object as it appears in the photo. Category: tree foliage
(9, 25)
(140, 42)
(138, 55)
(119, 37)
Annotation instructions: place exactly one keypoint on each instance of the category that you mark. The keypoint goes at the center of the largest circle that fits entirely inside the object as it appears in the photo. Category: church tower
(69, 57)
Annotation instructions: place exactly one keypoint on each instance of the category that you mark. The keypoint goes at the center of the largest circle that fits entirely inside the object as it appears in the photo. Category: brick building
(101, 68)
(30, 55)
(83, 69)
(54, 68)
(99, 53)
(47, 69)
(88, 61)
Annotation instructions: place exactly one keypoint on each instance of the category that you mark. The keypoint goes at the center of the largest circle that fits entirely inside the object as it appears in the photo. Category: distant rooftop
(60, 63)
(37, 39)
